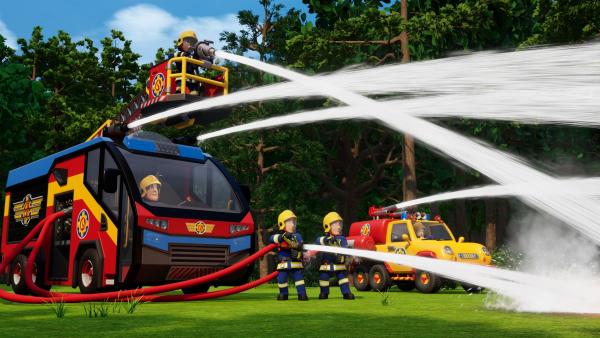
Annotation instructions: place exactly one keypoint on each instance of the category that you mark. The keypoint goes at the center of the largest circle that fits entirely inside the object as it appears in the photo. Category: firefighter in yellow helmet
(333, 264)
(150, 188)
(189, 46)
(289, 255)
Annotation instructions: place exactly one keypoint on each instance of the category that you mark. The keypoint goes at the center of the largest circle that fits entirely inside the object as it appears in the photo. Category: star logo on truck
(27, 209)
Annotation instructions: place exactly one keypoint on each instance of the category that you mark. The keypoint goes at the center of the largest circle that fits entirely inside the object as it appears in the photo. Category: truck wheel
(360, 277)
(17, 275)
(427, 282)
(406, 286)
(470, 288)
(379, 278)
(89, 271)
(202, 288)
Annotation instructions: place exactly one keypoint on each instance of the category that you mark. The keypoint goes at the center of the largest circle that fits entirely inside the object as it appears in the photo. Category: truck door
(125, 242)
(61, 239)
(398, 245)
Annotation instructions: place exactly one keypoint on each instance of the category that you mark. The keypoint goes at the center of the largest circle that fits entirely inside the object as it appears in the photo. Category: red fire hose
(146, 294)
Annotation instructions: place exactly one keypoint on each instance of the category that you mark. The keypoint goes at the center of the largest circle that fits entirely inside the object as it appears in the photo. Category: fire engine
(399, 232)
(115, 238)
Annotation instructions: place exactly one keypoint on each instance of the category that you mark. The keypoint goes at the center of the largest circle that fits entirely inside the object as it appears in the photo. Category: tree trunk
(404, 34)
(409, 181)
(502, 220)
(490, 223)
(461, 226)
(409, 185)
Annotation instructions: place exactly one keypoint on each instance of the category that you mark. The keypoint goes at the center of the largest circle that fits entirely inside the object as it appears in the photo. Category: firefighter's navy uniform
(195, 50)
(333, 264)
(289, 258)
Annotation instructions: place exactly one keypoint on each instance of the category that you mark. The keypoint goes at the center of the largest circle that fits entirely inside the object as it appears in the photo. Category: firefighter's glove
(331, 241)
(296, 254)
(340, 259)
(291, 240)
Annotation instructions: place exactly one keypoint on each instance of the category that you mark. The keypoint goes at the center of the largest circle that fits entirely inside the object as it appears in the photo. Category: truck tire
(89, 271)
(427, 282)
(379, 278)
(406, 285)
(470, 288)
(201, 288)
(360, 278)
(17, 275)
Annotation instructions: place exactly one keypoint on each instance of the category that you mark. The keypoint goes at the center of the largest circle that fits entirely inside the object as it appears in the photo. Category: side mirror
(461, 239)
(405, 238)
(61, 175)
(111, 178)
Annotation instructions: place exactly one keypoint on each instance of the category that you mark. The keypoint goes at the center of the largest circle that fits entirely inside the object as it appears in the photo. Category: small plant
(90, 310)
(103, 309)
(116, 307)
(132, 304)
(58, 308)
(385, 297)
(93, 310)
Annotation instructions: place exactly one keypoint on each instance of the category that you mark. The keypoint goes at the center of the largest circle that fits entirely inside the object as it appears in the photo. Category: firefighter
(150, 188)
(289, 255)
(333, 264)
(189, 46)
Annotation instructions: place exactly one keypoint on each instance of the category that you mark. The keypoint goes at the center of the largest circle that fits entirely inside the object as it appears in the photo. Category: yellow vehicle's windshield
(431, 230)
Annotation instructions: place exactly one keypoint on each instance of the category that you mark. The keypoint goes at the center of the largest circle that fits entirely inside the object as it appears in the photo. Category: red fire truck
(115, 238)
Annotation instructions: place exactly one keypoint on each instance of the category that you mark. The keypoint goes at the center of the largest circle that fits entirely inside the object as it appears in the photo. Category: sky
(149, 24)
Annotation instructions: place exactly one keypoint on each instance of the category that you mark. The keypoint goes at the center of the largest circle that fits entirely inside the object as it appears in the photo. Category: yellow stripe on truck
(80, 192)
(6, 205)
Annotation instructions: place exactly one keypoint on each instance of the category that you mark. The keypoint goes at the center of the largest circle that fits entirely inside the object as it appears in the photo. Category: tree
(21, 104)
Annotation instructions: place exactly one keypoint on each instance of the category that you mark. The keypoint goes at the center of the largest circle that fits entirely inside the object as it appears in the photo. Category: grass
(256, 313)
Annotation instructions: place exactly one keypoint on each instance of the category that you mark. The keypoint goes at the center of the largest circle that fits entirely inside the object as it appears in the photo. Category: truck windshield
(432, 230)
(173, 183)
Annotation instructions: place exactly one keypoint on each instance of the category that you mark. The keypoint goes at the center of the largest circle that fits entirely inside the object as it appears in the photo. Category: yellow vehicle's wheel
(379, 278)
(427, 282)
(361, 278)
(470, 288)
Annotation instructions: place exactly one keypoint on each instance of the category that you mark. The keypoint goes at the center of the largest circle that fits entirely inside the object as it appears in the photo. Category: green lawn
(257, 313)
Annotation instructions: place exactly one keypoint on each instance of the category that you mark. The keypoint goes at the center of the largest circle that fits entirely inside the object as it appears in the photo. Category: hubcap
(87, 273)
(377, 278)
(424, 278)
(360, 278)
(34, 273)
(17, 273)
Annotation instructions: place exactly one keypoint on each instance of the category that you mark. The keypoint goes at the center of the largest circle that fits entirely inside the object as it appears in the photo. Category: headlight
(448, 250)
(485, 251)
(159, 223)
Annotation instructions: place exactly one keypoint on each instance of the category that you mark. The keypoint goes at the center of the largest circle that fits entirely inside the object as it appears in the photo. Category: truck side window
(111, 200)
(92, 170)
(398, 230)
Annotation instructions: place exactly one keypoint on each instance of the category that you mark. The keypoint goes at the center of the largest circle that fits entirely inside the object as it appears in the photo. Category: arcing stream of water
(526, 292)
(585, 186)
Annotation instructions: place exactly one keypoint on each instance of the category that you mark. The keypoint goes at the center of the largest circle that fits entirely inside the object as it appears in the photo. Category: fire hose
(145, 294)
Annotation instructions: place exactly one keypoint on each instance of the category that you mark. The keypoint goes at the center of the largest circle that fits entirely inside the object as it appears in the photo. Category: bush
(507, 258)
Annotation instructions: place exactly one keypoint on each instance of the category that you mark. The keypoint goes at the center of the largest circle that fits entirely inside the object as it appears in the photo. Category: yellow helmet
(146, 182)
(330, 218)
(184, 35)
(284, 216)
